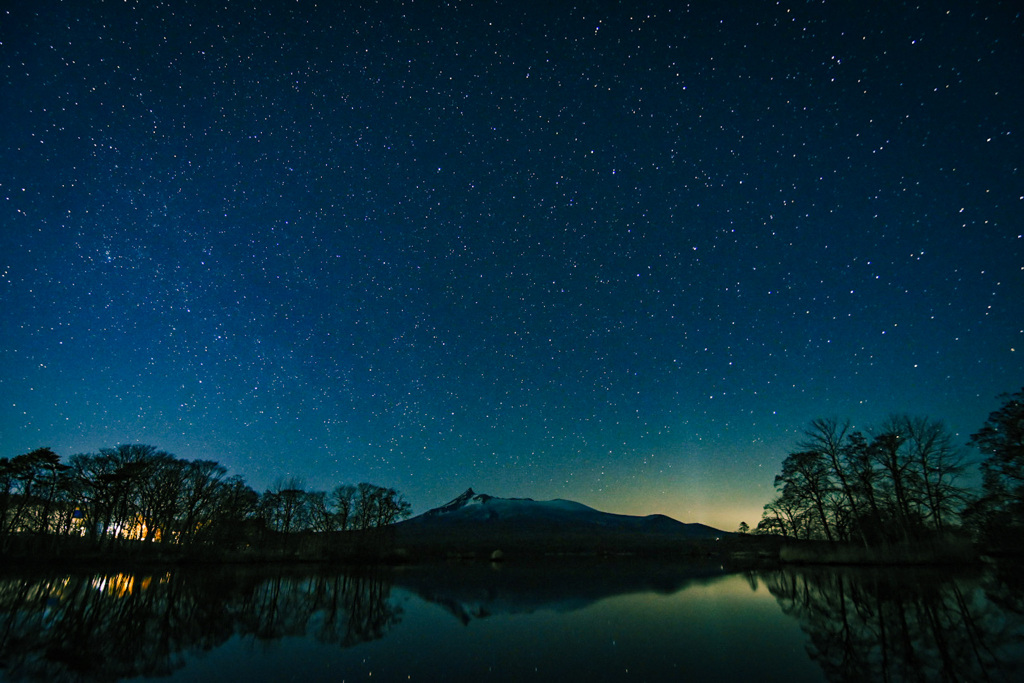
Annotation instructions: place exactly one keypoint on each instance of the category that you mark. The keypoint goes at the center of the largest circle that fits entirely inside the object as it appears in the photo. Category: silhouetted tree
(783, 514)
(95, 475)
(393, 507)
(840, 486)
(937, 464)
(6, 495)
(284, 506)
(343, 500)
(863, 482)
(999, 513)
(201, 484)
(321, 519)
(131, 501)
(27, 485)
(376, 506)
(805, 479)
(889, 454)
(235, 512)
(829, 439)
(152, 467)
(166, 488)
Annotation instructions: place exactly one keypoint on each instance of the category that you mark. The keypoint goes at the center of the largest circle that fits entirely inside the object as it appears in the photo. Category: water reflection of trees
(105, 627)
(904, 625)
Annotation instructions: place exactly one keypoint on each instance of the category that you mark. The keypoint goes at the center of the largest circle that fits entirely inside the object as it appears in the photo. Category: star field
(619, 253)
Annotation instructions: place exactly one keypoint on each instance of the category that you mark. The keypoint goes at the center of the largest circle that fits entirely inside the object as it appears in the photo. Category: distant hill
(477, 523)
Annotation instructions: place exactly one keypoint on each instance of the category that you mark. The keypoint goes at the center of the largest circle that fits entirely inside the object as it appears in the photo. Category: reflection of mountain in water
(905, 624)
(475, 591)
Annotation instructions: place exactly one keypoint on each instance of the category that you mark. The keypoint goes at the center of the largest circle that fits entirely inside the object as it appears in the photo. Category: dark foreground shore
(400, 549)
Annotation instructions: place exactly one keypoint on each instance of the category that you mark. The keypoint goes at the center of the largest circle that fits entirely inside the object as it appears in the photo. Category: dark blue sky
(615, 252)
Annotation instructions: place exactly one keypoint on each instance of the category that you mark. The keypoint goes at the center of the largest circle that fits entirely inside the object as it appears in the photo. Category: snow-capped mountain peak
(467, 499)
(480, 506)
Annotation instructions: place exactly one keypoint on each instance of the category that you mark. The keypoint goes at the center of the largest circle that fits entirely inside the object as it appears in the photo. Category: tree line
(137, 492)
(899, 482)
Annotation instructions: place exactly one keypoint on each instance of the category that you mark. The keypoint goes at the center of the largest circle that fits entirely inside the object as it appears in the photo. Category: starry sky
(620, 253)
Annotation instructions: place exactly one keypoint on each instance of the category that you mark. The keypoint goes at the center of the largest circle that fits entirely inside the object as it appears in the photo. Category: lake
(565, 621)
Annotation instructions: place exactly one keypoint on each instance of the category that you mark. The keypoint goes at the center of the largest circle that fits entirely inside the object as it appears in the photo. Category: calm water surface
(567, 622)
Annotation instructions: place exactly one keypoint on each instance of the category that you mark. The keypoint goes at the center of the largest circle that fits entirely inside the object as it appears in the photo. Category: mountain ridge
(467, 503)
(478, 522)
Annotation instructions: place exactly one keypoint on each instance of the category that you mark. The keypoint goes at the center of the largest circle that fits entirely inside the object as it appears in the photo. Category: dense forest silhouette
(121, 500)
(900, 484)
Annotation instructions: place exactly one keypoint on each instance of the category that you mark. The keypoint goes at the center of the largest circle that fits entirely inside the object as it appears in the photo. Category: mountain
(475, 523)
(473, 507)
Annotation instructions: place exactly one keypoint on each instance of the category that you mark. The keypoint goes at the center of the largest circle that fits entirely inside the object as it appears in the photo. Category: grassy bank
(947, 549)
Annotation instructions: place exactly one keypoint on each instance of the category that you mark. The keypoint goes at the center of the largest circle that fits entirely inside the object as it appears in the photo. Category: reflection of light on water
(120, 585)
(47, 591)
(52, 605)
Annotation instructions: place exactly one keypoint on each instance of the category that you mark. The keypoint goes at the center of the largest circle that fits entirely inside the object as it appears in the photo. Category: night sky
(620, 253)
